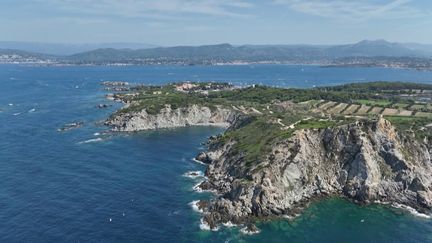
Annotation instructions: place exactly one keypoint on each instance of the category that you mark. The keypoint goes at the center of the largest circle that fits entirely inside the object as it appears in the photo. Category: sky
(199, 22)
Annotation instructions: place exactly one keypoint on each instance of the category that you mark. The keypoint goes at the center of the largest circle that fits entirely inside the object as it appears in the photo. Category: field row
(332, 107)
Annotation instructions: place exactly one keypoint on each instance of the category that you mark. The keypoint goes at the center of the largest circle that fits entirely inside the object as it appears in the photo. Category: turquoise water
(69, 187)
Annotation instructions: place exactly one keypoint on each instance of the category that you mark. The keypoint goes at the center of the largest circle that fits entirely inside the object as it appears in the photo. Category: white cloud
(161, 9)
(354, 9)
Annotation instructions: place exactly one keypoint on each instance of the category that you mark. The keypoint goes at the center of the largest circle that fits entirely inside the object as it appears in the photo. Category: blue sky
(193, 22)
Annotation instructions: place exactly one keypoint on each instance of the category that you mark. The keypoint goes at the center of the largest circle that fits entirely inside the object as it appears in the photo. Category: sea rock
(114, 97)
(115, 83)
(101, 106)
(117, 89)
(203, 157)
(250, 229)
(70, 126)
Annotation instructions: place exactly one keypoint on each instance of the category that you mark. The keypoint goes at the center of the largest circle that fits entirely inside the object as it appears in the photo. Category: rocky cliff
(169, 118)
(365, 161)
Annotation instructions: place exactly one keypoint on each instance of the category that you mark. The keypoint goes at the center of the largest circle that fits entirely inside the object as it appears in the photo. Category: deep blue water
(129, 187)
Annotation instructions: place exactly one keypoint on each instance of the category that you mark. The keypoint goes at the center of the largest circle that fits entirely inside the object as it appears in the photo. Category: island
(284, 148)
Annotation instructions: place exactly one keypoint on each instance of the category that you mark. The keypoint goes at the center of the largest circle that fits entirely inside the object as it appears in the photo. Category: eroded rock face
(366, 162)
(170, 118)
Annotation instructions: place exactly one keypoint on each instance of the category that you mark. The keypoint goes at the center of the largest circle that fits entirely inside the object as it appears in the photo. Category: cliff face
(365, 161)
(170, 118)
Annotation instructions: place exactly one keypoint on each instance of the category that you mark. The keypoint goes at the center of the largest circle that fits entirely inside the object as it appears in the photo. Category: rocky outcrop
(169, 118)
(365, 161)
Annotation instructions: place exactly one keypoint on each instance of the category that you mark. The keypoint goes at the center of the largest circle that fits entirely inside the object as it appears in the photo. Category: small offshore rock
(115, 83)
(101, 106)
(202, 205)
(250, 229)
(205, 186)
(203, 157)
(70, 126)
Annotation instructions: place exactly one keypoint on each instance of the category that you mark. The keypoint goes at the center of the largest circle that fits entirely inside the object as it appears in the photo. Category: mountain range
(211, 54)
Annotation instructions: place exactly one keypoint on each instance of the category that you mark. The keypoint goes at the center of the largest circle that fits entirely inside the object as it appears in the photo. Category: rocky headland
(366, 161)
(279, 153)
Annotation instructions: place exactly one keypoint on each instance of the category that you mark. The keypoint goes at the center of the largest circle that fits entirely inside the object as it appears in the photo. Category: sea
(90, 185)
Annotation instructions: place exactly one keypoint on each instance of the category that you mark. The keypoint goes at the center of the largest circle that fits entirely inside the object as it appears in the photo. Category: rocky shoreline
(276, 157)
(366, 161)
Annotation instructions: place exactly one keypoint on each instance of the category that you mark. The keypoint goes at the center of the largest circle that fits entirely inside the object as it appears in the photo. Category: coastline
(294, 212)
(364, 161)
(320, 65)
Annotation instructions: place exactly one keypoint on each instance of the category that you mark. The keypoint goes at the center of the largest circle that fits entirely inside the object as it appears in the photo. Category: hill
(250, 53)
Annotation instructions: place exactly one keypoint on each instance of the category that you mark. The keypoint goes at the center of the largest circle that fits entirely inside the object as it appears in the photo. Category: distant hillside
(18, 56)
(363, 53)
(250, 53)
(374, 48)
(67, 49)
(179, 52)
(426, 48)
(26, 54)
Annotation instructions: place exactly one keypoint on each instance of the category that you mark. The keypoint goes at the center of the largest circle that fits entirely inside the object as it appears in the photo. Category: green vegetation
(417, 107)
(382, 94)
(254, 138)
(421, 107)
(389, 87)
(315, 124)
(400, 105)
(264, 94)
(420, 126)
(154, 98)
(374, 102)
(154, 103)
(283, 111)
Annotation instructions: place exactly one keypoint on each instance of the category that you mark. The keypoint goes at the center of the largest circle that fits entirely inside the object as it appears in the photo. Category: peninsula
(284, 148)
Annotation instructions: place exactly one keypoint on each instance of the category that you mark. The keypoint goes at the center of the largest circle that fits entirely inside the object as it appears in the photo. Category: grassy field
(381, 103)
(400, 105)
(417, 106)
(315, 124)
(416, 125)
